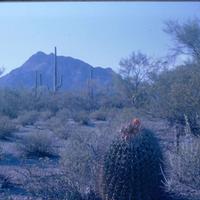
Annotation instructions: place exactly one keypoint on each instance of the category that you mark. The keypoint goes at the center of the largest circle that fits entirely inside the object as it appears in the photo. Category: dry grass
(184, 169)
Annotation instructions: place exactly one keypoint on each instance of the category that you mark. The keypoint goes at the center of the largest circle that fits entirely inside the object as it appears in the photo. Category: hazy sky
(98, 33)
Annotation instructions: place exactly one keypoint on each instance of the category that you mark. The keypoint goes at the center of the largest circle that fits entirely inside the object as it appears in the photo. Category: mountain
(75, 72)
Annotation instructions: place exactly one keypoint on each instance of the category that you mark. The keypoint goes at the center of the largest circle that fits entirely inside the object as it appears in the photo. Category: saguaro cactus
(132, 166)
(38, 81)
(56, 84)
(91, 195)
(91, 84)
(91, 89)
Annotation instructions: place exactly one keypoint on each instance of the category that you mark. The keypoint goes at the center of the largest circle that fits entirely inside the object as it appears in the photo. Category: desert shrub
(7, 127)
(59, 127)
(51, 102)
(28, 117)
(132, 166)
(74, 101)
(100, 115)
(38, 145)
(64, 114)
(54, 122)
(81, 157)
(184, 168)
(44, 184)
(10, 102)
(82, 118)
(45, 115)
(61, 131)
(112, 101)
(77, 161)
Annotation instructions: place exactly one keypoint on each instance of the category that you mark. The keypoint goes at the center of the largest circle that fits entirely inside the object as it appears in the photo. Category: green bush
(132, 166)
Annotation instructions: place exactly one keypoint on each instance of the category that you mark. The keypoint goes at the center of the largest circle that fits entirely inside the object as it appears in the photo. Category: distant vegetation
(165, 91)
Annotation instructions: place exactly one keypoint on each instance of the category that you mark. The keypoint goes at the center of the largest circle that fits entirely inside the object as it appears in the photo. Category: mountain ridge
(75, 72)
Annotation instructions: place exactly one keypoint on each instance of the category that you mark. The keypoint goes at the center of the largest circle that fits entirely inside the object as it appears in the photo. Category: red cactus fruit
(131, 129)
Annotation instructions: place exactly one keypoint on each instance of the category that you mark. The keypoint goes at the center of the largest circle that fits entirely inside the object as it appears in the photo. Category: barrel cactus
(132, 165)
(91, 195)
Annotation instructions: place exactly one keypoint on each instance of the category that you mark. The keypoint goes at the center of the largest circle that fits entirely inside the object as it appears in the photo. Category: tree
(186, 37)
(175, 94)
(135, 70)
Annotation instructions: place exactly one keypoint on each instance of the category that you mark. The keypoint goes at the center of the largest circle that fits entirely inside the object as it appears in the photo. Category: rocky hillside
(75, 72)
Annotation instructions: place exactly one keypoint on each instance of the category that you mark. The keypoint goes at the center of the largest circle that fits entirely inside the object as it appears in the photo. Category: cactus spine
(56, 84)
(132, 166)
